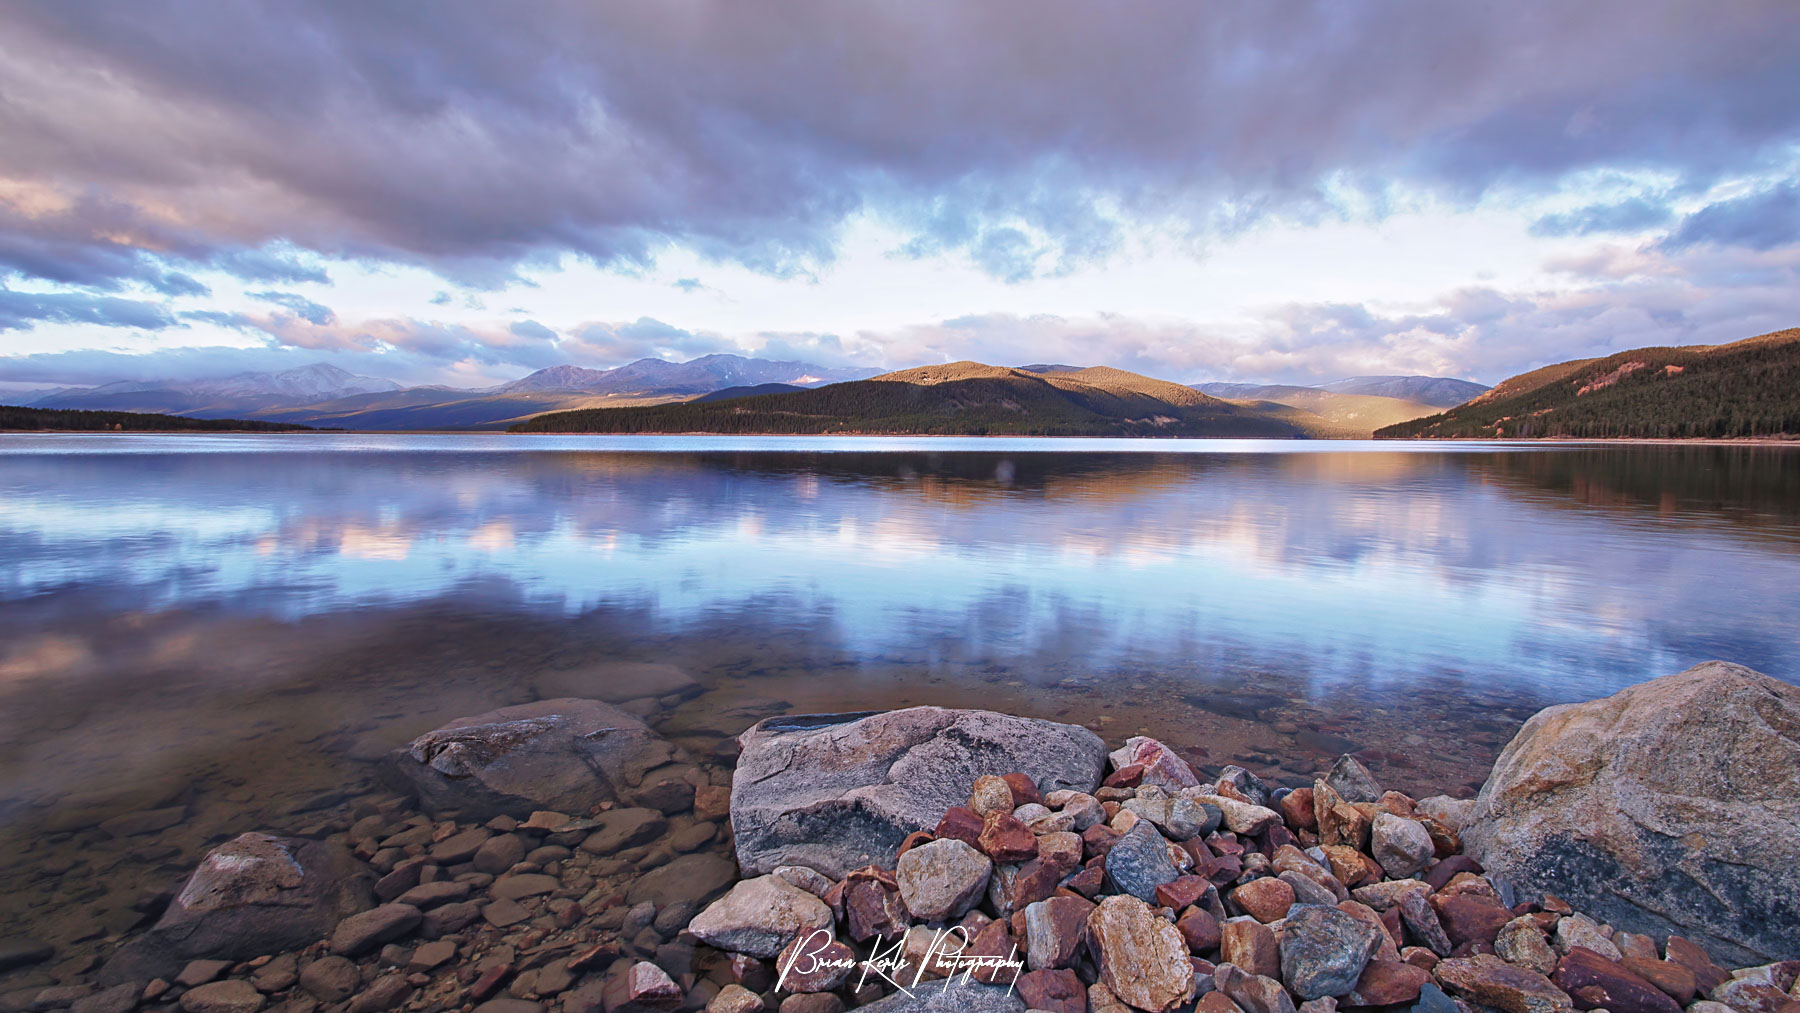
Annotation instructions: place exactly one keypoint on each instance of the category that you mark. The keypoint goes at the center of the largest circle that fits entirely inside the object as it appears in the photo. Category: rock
(429, 895)
(1675, 980)
(1490, 981)
(1324, 951)
(330, 979)
(874, 908)
(1200, 929)
(1468, 917)
(1433, 1000)
(942, 880)
(734, 998)
(1139, 862)
(991, 796)
(1352, 781)
(1004, 839)
(813, 962)
(760, 916)
(1251, 945)
(498, 854)
(1217, 1002)
(1695, 958)
(1580, 930)
(445, 919)
(836, 792)
(1402, 846)
(1521, 942)
(1052, 991)
(252, 895)
(1161, 767)
(1239, 817)
(1422, 921)
(360, 933)
(1253, 993)
(431, 955)
(1385, 982)
(697, 878)
(949, 995)
(20, 951)
(117, 999)
(1054, 931)
(642, 988)
(233, 995)
(812, 1002)
(460, 847)
(504, 914)
(505, 1004)
(1143, 959)
(199, 972)
(384, 993)
(566, 755)
(1266, 900)
(1664, 807)
(1594, 981)
(810, 880)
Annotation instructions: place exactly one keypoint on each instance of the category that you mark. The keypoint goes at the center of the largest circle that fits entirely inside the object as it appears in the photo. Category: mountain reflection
(1564, 571)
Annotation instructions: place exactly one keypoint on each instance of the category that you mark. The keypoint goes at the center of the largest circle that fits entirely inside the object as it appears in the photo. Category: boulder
(839, 791)
(1666, 807)
(252, 895)
(565, 755)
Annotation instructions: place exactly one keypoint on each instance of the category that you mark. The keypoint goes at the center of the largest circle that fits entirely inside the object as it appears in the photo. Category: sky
(1281, 191)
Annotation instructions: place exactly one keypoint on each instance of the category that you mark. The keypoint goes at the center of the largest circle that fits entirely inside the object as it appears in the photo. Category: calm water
(241, 625)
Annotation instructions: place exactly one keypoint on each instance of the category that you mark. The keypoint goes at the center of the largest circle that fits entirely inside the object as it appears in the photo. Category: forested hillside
(14, 417)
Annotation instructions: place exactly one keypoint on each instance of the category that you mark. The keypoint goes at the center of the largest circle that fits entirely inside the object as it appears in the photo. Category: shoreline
(1456, 441)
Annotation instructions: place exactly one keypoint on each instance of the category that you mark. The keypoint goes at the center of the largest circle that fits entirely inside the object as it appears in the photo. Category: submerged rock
(1668, 806)
(839, 791)
(252, 895)
(564, 755)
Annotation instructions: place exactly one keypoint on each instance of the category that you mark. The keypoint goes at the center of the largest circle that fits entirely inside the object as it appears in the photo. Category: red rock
(1595, 982)
(1217, 1002)
(1024, 791)
(1224, 842)
(1265, 899)
(1389, 944)
(1059, 991)
(1674, 979)
(1054, 931)
(1551, 902)
(961, 823)
(1088, 882)
(1036, 880)
(1098, 839)
(1445, 842)
(1297, 809)
(1386, 981)
(814, 962)
(490, 981)
(1181, 892)
(1060, 847)
(1490, 981)
(1223, 869)
(994, 940)
(1351, 867)
(1470, 918)
(1419, 956)
(1391, 921)
(873, 908)
(1441, 873)
(1251, 945)
(1129, 776)
(1707, 975)
(1200, 929)
(913, 840)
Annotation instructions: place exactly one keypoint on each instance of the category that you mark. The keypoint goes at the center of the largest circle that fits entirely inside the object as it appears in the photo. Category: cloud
(299, 305)
(24, 310)
(1757, 221)
(1634, 214)
(1029, 135)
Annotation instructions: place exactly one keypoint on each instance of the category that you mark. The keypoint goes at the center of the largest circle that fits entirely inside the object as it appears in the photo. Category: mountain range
(1359, 404)
(962, 398)
(1747, 388)
(324, 395)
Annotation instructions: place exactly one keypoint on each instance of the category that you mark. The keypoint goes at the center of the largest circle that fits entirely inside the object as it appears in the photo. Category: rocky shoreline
(562, 856)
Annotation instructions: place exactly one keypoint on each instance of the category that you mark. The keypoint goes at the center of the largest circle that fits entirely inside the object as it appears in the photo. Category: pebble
(361, 932)
(330, 979)
(233, 995)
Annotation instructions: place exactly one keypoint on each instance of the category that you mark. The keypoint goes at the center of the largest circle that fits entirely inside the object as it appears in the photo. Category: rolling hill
(21, 418)
(1437, 391)
(959, 398)
(1357, 414)
(1744, 389)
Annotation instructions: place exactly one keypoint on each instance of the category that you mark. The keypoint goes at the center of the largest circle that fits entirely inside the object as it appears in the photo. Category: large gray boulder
(564, 755)
(1666, 807)
(839, 791)
(252, 895)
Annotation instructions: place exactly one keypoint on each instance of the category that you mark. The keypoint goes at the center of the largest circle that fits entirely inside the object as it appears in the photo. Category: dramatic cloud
(1633, 215)
(23, 310)
(1759, 221)
(1023, 132)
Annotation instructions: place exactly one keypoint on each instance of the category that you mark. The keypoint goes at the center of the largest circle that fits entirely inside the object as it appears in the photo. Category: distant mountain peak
(695, 376)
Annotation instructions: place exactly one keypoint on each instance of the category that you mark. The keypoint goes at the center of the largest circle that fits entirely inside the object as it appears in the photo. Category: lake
(234, 629)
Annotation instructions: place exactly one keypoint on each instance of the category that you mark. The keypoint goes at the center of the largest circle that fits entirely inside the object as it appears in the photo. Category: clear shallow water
(242, 625)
